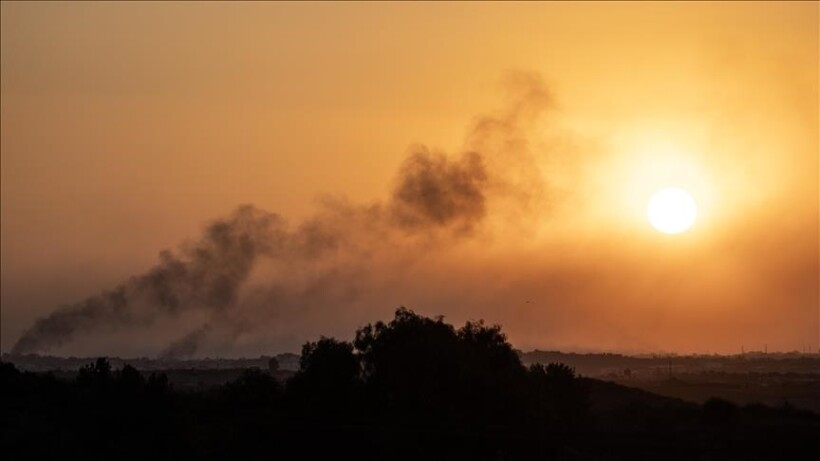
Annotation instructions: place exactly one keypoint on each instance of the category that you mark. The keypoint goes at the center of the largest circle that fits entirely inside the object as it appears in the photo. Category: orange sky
(126, 128)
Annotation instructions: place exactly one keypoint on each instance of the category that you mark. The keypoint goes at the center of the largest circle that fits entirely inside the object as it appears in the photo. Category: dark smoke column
(207, 275)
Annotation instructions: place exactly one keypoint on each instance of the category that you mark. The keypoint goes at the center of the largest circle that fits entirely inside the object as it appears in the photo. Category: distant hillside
(665, 365)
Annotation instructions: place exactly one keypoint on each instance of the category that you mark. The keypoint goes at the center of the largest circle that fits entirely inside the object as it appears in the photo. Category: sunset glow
(410, 230)
(502, 153)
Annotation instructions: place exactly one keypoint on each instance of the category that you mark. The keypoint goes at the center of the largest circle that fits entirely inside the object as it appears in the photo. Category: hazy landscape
(410, 230)
(755, 377)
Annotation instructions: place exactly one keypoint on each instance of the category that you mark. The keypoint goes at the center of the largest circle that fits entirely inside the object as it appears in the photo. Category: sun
(672, 210)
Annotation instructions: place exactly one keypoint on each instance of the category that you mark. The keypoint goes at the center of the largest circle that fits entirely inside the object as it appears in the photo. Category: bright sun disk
(672, 210)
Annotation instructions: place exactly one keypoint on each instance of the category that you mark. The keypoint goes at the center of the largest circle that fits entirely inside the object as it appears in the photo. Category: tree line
(412, 388)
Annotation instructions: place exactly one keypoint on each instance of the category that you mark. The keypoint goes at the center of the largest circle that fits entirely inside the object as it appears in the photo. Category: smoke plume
(324, 260)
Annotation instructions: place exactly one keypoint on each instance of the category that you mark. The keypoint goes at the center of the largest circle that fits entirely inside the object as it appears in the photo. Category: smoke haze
(130, 127)
(437, 198)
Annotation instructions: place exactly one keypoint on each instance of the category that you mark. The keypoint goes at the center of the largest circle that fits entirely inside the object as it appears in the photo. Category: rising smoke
(437, 198)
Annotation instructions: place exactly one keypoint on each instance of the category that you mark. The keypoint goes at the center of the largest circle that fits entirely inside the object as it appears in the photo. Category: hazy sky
(127, 128)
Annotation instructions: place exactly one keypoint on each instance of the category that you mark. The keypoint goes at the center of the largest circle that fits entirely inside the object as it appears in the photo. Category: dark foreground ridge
(413, 388)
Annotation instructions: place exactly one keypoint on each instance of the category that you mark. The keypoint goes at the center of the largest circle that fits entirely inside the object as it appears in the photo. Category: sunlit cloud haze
(310, 167)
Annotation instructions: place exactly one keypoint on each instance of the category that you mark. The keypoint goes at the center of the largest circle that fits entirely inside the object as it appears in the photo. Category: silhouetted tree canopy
(95, 374)
(328, 382)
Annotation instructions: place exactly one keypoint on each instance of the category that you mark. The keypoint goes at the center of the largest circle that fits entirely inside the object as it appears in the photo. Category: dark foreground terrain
(414, 388)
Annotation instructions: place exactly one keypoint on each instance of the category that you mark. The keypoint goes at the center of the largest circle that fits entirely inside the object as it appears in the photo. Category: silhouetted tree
(558, 397)
(95, 374)
(328, 381)
(488, 368)
(411, 367)
(130, 379)
(273, 365)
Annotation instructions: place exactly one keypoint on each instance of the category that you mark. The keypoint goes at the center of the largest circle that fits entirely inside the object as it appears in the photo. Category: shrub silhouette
(716, 410)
